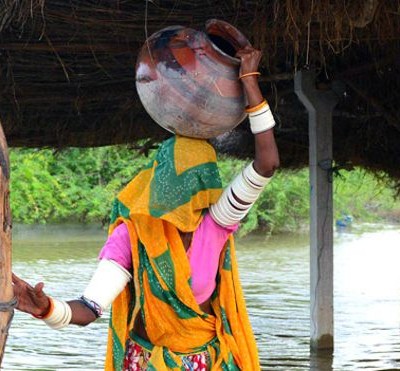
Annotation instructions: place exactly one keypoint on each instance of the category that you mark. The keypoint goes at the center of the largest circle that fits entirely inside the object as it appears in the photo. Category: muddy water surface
(275, 276)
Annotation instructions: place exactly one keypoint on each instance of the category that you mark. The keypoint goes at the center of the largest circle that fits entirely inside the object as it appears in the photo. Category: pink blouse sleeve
(118, 247)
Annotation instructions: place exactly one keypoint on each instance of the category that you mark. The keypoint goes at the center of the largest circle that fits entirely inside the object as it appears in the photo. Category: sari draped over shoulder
(168, 196)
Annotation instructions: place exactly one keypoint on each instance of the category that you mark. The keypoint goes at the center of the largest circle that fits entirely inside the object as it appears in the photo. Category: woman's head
(180, 182)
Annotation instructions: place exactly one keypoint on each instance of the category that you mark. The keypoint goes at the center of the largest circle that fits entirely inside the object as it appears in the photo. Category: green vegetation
(79, 184)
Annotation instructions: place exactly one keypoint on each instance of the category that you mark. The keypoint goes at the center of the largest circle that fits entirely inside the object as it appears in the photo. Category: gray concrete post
(319, 104)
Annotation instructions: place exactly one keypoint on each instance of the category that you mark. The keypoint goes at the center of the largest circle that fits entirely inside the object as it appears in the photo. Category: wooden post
(319, 104)
(7, 299)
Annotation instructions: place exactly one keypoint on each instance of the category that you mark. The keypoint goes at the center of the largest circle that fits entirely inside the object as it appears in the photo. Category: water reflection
(275, 276)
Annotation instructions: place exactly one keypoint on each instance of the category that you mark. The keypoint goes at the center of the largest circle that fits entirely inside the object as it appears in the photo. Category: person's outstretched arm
(107, 282)
(34, 301)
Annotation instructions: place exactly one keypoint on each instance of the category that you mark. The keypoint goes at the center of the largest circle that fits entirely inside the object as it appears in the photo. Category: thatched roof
(67, 70)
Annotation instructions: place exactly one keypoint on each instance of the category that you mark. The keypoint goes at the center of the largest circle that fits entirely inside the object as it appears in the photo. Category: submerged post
(319, 104)
(7, 300)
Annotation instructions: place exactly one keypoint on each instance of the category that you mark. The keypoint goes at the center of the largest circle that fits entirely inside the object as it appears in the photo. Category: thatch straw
(67, 70)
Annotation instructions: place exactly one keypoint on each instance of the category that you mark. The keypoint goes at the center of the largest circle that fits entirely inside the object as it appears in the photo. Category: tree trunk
(7, 300)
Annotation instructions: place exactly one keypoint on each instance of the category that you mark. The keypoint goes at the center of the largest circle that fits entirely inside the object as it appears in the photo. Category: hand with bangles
(31, 299)
(249, 61)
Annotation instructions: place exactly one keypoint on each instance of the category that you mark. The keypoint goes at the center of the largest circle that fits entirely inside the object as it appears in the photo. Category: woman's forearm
(81, 314)
(266, 159)
(106, 284)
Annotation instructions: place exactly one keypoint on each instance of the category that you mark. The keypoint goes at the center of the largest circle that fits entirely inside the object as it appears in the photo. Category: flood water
(275, 276)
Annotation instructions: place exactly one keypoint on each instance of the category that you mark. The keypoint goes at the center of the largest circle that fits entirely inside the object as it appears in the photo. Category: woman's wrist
(45, 312)
(252, 91)
(250, 81)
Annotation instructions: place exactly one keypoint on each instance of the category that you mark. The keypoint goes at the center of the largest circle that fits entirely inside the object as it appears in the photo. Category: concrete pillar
(319, 104)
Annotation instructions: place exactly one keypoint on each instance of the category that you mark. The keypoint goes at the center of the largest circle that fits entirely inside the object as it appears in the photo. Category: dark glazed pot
(188, 81)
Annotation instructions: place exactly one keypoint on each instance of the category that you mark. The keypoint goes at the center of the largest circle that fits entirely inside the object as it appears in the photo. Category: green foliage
(35, 194)
(365, 196)
(285, 206)
(74, 184)
(79, 185)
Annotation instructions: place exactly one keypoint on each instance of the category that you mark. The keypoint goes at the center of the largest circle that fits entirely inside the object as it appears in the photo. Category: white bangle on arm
(246, 187)
(260, 117)
(59, 314)
(106, 284)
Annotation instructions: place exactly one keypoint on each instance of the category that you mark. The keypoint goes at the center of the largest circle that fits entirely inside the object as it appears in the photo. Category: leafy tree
(79, 185)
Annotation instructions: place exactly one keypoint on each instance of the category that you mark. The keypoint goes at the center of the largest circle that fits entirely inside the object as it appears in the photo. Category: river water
(275, 277)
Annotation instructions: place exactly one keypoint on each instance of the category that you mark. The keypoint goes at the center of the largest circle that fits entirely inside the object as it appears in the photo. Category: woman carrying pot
(168, 268)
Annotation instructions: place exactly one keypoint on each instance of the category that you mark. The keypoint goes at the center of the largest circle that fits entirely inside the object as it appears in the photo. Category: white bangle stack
(260, 118)
(60, 314)
(238, 197)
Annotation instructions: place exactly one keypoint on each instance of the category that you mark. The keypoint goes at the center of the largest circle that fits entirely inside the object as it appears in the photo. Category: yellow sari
(169, 196)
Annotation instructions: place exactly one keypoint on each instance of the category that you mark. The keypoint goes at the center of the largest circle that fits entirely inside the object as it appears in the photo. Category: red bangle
(48, 312)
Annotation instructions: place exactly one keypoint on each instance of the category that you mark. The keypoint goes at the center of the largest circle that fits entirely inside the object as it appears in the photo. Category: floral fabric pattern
(137, 358)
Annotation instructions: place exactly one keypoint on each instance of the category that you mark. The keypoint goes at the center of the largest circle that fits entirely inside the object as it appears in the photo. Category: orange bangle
(249, 74)
(48, 312)
(257, 107)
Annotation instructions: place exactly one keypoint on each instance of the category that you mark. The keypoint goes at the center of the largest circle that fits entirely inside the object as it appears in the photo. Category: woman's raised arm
(266, 159)
(240, 195)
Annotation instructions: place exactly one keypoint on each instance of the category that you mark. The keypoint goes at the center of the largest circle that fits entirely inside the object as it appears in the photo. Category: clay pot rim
(230, 31)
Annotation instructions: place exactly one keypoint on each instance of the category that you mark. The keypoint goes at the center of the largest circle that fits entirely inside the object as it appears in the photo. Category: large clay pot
(188, 81)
